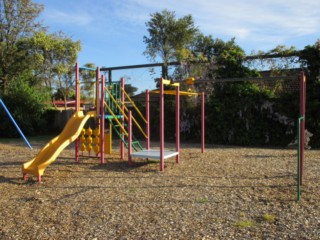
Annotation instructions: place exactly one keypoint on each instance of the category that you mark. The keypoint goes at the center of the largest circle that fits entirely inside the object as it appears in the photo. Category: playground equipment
(15, 124)
(163, 154)
(111, 115)
(50, 152)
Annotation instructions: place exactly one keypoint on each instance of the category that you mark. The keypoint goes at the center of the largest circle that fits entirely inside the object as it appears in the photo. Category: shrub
(26, 105)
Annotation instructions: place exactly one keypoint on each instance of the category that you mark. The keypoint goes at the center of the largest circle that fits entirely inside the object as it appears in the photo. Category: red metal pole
(203, 133)
(130, 163)
(161, 126)
(302, 79)
(98, 99)
(98, 76)
(122, 120)
(77, 109)
(102, 120)
(148, 119)
(178, 123)
(77, 88)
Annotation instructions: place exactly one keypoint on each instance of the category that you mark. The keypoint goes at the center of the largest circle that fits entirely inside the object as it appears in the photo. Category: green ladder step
(135, 143)
(120, 125)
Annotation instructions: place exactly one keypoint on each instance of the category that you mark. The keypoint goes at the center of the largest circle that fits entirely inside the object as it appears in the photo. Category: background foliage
(36, 67)
(240, 113)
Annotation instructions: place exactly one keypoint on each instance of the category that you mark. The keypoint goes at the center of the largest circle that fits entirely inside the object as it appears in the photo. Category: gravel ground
(225, 193)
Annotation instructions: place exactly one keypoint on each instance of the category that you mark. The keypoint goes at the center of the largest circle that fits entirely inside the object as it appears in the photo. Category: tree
(168, 37)
(211, 58)
(17, 21)
(279, 60)
(26, 104)
(88, 79)
(228, 57)
(66, 52)
(310, 57)
(130, 89)
(234, 108)
(54, 56)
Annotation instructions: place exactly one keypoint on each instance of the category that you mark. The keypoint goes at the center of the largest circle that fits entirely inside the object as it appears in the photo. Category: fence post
(302, 79)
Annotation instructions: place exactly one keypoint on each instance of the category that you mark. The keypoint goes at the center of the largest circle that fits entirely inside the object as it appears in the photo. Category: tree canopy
(168, 36)
(244, 113)
(35, 65)
(18, 20)
(32, 62)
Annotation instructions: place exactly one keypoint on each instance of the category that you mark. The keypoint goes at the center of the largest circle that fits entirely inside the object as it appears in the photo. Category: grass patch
(132, 190)
(242, 214)
(244, 224)
(202, 200)
(11, 140)
(19, 139)
(152, 161)
(269, 218)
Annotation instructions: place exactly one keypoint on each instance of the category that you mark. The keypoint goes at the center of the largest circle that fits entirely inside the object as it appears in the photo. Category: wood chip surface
(225, 193)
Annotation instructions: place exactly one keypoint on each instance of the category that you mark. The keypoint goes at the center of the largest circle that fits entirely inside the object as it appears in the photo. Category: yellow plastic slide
(51, 151)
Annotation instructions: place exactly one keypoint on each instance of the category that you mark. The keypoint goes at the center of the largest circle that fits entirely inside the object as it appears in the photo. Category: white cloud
(239, 18)
(256, 24)
(244, 19)
(81, 18)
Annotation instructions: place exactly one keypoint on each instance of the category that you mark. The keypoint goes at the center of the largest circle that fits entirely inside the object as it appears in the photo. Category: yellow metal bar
(123, 113)
(134, 105)
(137, 109)
(169, 82)
(137, 124)
(118, 106)
(140, 128)
(173, 92)
(166, 82)
(117, 120)
(108, 141)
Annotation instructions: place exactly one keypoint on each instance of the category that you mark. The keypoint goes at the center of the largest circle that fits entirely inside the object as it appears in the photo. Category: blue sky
(111, 31)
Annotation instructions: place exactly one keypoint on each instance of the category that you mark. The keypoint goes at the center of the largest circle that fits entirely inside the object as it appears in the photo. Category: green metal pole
(298, 162)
